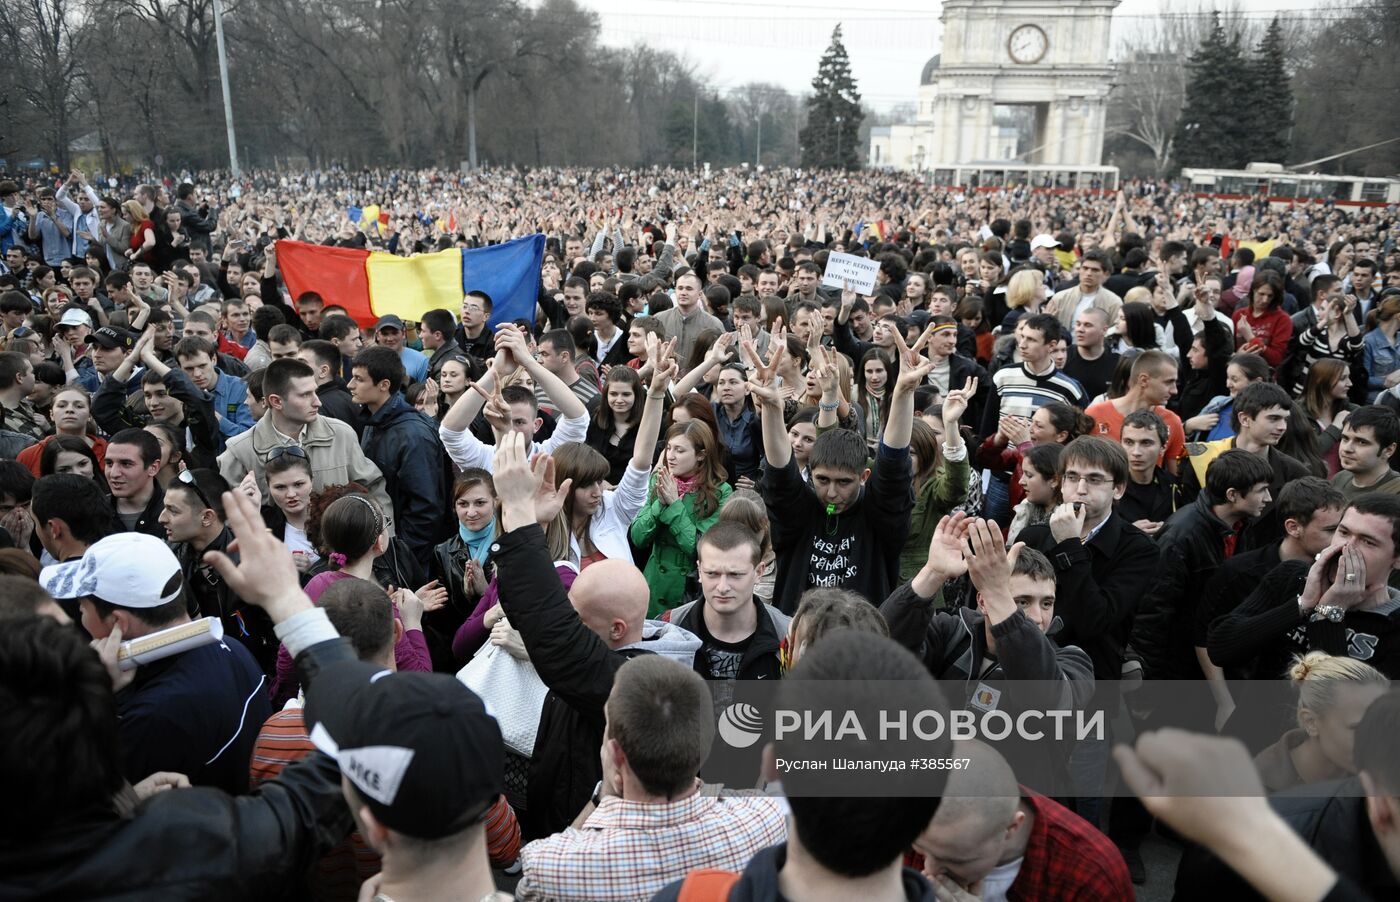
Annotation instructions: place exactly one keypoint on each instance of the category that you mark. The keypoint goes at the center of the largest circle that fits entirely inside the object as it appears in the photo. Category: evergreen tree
(1271, 109)
(831, 138)
(1214, 129)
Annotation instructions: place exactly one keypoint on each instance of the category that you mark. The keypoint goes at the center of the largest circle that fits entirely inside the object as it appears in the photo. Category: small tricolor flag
(372, 284)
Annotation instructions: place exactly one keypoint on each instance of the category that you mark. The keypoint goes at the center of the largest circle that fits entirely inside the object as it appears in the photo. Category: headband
(378, 514)
(943, 327)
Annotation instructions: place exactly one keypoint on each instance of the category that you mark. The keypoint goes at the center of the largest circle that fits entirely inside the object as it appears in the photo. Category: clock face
(1028, 44)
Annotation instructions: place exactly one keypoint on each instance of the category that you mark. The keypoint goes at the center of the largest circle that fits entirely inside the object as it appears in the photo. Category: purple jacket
(472, 634)
(410, 653)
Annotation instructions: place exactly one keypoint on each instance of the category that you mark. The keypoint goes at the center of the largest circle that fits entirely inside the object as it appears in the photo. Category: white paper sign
(859, 271)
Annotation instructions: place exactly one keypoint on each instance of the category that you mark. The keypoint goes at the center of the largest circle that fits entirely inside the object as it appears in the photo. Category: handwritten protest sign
(858, 271)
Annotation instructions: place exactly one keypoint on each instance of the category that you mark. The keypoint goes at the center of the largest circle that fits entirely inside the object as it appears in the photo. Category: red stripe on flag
(335, 273)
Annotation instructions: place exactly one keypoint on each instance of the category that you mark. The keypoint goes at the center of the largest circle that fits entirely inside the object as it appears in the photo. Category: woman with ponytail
(1333, 693)
(353, 531)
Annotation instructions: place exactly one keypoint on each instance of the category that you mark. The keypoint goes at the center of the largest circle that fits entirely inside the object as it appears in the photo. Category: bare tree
(38, 46)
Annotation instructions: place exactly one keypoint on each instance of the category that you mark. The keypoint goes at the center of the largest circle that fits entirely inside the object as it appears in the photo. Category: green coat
(943, 491)
(671, 532)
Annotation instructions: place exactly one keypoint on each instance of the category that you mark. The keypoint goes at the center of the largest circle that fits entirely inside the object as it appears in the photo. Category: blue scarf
(478, 541)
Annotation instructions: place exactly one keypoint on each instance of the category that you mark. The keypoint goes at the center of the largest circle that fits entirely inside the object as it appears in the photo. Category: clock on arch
(1028, 44)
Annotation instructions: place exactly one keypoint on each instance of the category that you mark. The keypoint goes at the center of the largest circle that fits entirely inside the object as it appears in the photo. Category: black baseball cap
(419, 747)
(109, 338)
(389, 321)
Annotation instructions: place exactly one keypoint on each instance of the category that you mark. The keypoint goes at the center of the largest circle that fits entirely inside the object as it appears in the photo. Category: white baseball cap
(128, 570)
(1043, 240)
(75, 317)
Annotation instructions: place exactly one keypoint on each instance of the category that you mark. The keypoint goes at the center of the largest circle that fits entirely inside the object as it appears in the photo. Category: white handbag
(512, 692)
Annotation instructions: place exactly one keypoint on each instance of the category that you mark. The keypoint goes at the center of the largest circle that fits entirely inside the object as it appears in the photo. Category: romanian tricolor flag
(371, 284)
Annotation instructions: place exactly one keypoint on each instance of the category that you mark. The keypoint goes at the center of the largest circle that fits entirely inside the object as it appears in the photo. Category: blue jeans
(997, 503)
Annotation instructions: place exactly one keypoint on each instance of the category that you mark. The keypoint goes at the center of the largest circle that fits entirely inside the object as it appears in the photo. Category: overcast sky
(780, 41)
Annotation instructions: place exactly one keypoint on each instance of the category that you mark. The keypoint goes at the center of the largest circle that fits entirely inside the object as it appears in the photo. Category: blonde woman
(143, 232)
(1025, 294)
(1333, 693)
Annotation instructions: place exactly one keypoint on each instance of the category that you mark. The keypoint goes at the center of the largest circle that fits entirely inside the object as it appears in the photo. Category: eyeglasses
(187, 477)
(280, 450)
(1094, 479)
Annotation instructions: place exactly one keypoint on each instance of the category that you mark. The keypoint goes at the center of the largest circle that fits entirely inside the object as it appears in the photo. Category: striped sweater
(1018, 392)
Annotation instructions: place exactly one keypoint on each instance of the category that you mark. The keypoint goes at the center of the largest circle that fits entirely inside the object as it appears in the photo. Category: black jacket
(1267, 527)
(1268, 630)
(577, 667)
(211, 845)
(1233, 583)
(483, 347)
(210, 596)
(404, 444)
(1191, 549)
(198, 222)
(761, 658)
(953, 645)
(149, 521)
(337, 404)
(110, 410)
(448, 567)
(1331, 818)
(1097, 588)
(442, 354)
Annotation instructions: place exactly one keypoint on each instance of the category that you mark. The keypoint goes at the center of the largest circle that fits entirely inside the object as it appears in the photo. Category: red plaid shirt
(1067, 858)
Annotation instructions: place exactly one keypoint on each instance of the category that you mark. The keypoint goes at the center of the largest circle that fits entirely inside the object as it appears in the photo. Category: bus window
(1375, 191)
(1283, 187)
(944, 178)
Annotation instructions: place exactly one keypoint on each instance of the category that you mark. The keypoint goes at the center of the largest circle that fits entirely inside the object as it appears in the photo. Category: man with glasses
(1103, 565)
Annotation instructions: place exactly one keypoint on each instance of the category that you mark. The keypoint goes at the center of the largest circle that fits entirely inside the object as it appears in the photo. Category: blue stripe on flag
(509, 273)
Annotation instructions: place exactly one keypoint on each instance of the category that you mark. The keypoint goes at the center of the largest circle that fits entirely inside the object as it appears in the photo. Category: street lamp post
(223, 79)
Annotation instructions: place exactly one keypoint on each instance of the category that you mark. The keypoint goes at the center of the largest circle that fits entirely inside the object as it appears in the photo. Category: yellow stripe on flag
(1261, 249)
(411, 286)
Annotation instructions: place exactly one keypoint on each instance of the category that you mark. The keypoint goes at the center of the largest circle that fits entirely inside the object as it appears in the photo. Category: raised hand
(955, 404)
(549, 499)
(763, 381)
(990, 564)
(665, 368)
(517, 481)
(265, 574)
(946, 559)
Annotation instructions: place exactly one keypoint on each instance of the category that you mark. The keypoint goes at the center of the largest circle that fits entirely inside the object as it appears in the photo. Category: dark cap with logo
(420, 748)
(110, 338)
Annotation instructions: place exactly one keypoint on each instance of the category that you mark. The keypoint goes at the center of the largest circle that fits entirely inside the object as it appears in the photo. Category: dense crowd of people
(473, 591)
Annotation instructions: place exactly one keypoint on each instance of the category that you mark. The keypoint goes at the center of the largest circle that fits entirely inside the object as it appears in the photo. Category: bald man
(577, 642)
(995, 839)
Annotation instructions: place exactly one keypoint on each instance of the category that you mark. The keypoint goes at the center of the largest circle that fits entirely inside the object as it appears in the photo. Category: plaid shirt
(1066, 858)
(629, 850)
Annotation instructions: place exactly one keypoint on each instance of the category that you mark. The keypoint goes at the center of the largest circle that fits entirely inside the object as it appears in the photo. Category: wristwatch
(1330, 612)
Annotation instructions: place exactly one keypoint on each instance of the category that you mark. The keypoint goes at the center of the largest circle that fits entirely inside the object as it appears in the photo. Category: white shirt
(296, 540)
(999, 879)
(605, 346)
(1085, 302)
